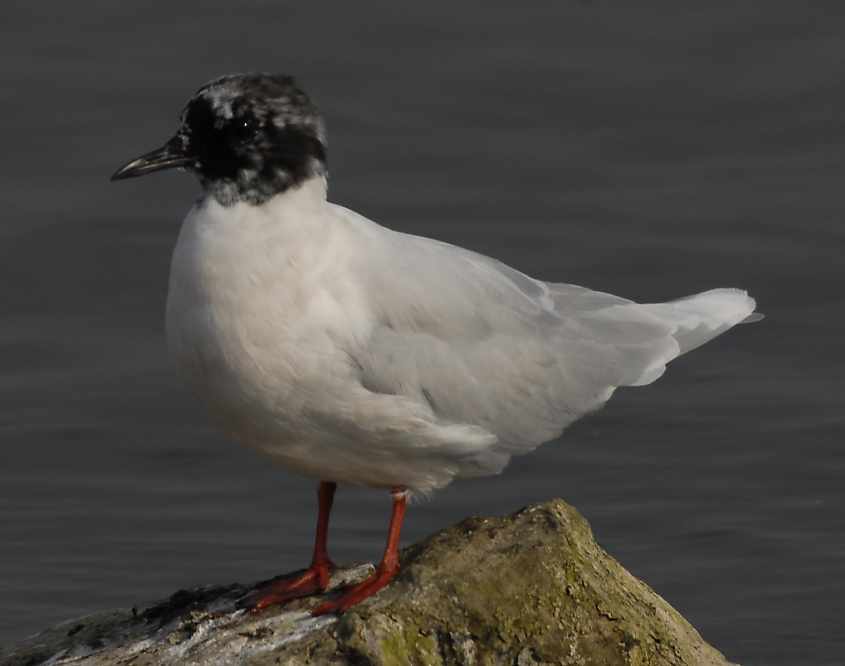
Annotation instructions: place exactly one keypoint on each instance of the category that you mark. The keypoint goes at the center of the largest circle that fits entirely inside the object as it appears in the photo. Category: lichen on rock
(530, 589)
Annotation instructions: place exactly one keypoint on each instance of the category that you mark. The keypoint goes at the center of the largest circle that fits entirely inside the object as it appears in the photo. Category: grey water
(647, 151)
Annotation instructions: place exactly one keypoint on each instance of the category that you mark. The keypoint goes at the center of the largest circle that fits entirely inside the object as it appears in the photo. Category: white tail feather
(699, 318)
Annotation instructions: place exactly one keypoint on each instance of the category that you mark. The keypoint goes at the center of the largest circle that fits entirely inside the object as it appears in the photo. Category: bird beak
(169, 156)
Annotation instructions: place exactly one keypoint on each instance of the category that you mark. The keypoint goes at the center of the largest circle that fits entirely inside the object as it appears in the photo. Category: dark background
(648, 152)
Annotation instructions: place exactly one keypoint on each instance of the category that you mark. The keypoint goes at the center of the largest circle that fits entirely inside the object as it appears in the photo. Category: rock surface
(528, 589)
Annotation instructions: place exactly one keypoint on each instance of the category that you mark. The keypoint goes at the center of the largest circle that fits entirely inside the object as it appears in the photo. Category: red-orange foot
(314, 579)
(357, 593)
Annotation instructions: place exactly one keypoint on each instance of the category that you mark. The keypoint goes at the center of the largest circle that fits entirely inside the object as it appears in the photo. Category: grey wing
(480, 343)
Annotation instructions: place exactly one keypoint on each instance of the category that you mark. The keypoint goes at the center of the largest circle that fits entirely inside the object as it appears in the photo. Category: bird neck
(257, 187)
(308, 195)
(312, 190)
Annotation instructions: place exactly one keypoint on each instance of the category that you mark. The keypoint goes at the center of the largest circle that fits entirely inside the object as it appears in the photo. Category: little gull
(353, 353)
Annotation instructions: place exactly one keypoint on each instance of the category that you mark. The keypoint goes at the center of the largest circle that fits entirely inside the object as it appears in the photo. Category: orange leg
(316, 577)
(386, 570)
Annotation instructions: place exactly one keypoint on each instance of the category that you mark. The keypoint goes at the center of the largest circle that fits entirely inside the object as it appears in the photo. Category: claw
(311, 581)
(357, 593)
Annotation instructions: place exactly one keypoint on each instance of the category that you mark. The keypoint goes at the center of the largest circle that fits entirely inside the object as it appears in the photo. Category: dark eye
(244, 128)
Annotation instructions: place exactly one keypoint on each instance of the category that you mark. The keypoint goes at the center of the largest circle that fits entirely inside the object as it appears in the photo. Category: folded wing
(479, 343)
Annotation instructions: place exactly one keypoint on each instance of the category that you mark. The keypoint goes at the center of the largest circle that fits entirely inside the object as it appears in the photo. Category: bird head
(247, 137)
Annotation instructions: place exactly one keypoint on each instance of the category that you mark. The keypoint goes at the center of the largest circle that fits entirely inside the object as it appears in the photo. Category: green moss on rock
(533, 587)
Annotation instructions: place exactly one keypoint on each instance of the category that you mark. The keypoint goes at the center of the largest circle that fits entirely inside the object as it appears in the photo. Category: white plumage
(351, 352)
(358, 354)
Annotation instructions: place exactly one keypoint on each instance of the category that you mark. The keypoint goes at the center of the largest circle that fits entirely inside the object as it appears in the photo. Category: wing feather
(479, 343)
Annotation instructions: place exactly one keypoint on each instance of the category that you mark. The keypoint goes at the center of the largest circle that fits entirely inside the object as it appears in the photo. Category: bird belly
(299, 402)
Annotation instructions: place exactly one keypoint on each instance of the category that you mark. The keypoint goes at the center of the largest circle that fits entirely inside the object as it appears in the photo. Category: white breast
(256, 308)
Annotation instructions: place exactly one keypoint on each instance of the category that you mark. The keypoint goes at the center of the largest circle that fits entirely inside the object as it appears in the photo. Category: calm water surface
(648, 152)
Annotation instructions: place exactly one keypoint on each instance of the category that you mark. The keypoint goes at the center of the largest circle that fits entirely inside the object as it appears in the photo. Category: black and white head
(247, 137)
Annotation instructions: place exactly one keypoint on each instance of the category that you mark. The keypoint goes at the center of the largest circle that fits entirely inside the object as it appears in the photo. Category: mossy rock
(528, 589)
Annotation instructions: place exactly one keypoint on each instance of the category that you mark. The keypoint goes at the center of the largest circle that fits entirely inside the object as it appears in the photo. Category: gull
(353, 353)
